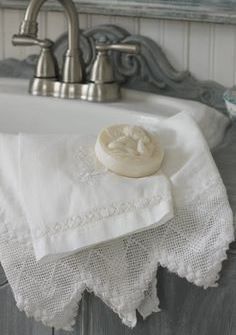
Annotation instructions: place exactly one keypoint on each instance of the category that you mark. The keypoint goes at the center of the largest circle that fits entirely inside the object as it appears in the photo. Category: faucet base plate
(44, 87)
(94, 92)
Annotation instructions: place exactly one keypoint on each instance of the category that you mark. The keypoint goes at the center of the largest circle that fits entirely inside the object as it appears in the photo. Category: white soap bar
(129, 151)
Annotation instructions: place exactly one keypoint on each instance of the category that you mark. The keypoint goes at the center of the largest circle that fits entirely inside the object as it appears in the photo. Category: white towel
(72, 202)
(122, 272)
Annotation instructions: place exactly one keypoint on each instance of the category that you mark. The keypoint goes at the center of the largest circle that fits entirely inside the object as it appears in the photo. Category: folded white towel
(72, 202)
(122, 272)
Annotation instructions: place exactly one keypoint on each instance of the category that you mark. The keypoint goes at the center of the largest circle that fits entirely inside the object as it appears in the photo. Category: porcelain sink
(20, 112)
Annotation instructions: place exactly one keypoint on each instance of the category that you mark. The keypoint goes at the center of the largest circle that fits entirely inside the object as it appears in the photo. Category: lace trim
(92, 218)
(184, 271)
(69, 316)
(71, 309)
(15, 257)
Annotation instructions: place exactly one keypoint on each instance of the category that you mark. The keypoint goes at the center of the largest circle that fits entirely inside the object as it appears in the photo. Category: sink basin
(20, 112)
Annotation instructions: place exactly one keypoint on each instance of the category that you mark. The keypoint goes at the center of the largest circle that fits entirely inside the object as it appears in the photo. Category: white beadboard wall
(207, 50)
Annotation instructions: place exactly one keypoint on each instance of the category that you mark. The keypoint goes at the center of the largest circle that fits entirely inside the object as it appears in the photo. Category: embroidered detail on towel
(85, 167)
(98, 214)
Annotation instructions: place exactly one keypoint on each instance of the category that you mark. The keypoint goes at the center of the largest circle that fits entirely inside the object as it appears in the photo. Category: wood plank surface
(219, 11)
(14, 322)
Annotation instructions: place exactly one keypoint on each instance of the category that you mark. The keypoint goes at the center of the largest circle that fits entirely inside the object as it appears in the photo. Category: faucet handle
(102, 86)
(47, 65)
(127, 48)
(102, 71)
(23, 40)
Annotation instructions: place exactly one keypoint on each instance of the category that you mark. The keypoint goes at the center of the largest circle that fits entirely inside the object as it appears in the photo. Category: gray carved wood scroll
(186, 309)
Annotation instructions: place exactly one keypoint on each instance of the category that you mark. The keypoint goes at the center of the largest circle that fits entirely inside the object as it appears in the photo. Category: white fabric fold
(122, 272)
(72, 202)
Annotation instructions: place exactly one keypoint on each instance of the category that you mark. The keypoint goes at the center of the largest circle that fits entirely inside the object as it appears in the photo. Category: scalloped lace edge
(129, 319)
(71, 309)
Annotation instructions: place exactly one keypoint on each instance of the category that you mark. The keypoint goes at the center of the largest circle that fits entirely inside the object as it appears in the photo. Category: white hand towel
(72, 202)
(122, 272)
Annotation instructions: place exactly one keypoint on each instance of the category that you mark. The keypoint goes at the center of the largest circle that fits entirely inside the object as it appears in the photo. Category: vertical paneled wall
(207, 50)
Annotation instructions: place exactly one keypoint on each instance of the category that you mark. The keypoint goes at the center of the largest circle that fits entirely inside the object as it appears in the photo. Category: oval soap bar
(129, 151)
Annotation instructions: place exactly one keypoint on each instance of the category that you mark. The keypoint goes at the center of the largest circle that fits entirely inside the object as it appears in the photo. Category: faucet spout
(72, 69)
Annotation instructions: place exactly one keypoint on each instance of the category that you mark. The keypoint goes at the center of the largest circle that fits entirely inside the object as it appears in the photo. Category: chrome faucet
(46, 81)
